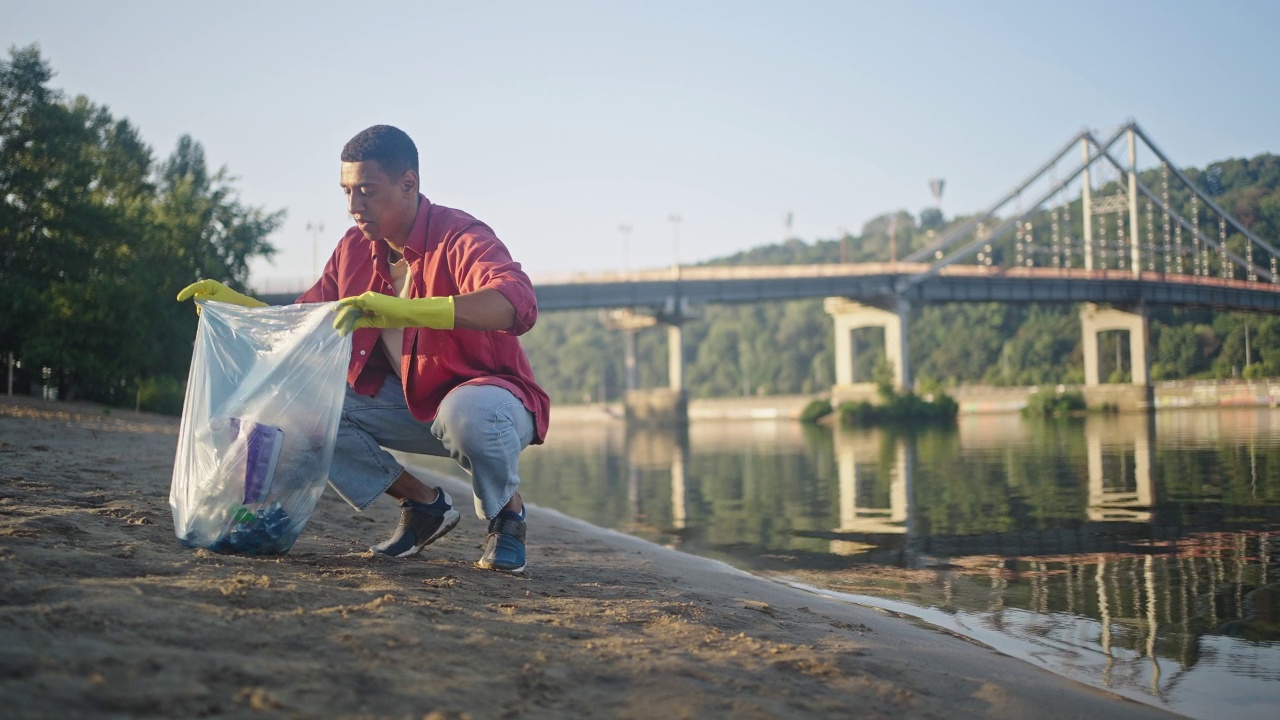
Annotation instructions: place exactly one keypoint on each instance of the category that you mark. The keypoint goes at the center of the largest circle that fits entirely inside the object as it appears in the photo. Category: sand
(104, 614)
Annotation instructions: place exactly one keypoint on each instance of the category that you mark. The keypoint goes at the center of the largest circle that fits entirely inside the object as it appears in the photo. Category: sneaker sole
(508, 571)
(451, 519)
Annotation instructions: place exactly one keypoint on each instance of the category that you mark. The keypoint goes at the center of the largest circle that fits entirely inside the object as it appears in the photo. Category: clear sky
(556, 122)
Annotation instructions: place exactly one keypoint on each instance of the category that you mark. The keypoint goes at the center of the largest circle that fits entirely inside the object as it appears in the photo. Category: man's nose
(354, 203)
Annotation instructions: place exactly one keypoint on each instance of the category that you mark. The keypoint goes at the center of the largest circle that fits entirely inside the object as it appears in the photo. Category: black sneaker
(504, 548)
(420, 525)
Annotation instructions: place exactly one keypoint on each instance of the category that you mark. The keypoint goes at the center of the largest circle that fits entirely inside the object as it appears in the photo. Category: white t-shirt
(393, 338)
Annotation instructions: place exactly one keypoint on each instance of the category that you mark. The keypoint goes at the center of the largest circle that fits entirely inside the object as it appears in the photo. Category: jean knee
(461, 429)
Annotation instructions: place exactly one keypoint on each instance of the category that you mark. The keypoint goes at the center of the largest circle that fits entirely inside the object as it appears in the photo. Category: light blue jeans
(482, 427)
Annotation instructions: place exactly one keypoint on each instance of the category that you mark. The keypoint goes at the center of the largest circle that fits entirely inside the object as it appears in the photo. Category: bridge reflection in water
(1134, 552)
(1131, 596)
(1119, 455)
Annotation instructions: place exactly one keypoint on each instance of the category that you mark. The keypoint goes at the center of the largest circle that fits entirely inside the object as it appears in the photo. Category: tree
(931, 219)
(94, 243)
(26, 107)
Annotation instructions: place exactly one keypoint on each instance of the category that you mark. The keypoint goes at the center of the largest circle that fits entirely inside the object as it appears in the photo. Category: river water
(1138, 553)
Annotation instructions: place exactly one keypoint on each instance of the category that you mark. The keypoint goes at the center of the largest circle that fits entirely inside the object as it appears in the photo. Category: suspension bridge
(1088, 226)
(1083, 230)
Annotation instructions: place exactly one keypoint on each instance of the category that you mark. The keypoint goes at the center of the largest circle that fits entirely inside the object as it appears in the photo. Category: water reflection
(1137, 553)
(864, 511)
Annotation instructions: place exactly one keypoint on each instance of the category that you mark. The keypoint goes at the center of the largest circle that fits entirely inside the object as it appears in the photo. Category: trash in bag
(258, 426)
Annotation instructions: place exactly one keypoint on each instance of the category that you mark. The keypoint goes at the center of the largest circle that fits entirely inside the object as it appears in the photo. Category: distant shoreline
(973, 400)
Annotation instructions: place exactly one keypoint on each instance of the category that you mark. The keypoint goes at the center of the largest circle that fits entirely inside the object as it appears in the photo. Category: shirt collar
(416, 244)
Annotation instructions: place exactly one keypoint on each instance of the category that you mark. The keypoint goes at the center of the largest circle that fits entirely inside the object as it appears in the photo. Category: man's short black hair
(389, 146)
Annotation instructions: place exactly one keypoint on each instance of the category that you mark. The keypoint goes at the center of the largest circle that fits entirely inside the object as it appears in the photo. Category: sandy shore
(104, 614)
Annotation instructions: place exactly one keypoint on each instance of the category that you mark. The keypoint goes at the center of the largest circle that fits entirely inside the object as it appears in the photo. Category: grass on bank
(893, 410)
(1050, 403)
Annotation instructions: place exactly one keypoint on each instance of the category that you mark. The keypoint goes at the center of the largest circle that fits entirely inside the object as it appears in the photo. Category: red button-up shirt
(449, 253)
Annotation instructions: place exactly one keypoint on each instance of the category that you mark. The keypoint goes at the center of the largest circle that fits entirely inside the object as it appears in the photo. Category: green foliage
(1050, 403)
(930, 386)
(882, 376)
(815, 411)
(96, 239)
(162, 395)
(931, 219)
(858, 414)
(907, 409)
(1177, 351)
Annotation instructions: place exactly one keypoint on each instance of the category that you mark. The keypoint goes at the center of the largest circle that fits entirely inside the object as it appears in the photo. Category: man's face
(383, 207)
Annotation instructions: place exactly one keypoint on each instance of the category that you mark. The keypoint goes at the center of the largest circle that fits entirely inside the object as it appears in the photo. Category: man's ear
(409, 182)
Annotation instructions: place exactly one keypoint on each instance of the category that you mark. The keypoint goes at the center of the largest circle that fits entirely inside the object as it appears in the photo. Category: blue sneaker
(420, 525)
(504, 548)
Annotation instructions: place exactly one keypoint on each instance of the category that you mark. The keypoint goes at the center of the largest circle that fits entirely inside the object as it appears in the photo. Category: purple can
(260, 461)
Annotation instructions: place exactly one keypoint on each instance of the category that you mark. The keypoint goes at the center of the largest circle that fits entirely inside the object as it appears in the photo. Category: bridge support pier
(657, 406)
(675, 358)
(629, 323)
(850, 316)
(1095, 320)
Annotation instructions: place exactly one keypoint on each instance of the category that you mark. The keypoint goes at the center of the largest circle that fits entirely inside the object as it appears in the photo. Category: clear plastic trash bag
(258, 426)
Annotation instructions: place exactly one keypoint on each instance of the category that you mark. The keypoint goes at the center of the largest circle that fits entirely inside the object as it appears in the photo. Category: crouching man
(435, 303)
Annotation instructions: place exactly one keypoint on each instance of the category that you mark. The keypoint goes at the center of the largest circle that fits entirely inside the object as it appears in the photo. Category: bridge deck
(880, 282)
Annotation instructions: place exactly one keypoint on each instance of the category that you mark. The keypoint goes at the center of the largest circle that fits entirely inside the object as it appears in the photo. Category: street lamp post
(315, 229)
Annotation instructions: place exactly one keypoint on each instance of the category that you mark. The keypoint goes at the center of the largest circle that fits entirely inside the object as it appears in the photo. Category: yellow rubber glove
(214, 290)
(375, 310)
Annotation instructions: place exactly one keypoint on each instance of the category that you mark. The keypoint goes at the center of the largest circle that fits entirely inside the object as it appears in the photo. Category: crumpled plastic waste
(259, 423)
(266, 532)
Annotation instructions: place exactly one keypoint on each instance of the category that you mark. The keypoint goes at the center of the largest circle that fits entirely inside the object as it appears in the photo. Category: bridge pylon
(657, 406)
(1137, 394)
(1095, 320)
(850, 315)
